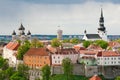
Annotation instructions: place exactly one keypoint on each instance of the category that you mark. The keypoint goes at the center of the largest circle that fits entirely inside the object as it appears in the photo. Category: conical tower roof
(14, 33)
(21, 27)
(29, 33)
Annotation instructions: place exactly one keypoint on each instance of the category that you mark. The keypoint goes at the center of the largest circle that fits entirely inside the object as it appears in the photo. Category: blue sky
(43, 16)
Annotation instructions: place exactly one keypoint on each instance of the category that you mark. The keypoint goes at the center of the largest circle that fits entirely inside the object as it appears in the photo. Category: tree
(17, 76)
(66, 41)
(75, 41)
(23, 69)
(117, 78)
(21, 73)
(55, 42)
(9, 72)
(3, 63)
(67, 68)
(86, 43)
(103, 44)
(23, 49)
(46, 72)
(35, 43)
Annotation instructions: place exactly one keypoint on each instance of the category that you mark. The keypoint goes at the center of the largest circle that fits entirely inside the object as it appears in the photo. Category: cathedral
(101, 33)
(21, 34)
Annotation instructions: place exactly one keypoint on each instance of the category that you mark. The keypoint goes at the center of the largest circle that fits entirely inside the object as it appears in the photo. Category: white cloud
(73, 18)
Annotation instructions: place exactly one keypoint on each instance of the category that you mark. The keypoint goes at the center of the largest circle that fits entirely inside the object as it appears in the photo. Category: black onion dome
(14, 33)
(22, 33)
(21, 27)
(29, 33)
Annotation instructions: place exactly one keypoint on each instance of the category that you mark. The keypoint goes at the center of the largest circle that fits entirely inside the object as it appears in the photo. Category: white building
(10, 51)
(61, 54)
(108, 58)
(59, 34)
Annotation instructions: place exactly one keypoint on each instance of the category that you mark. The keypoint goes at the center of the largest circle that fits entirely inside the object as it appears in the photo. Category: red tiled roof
(94, 47)
(37, 51)
(113, 43)
(95, 77)
(108, 54)
(13, 45)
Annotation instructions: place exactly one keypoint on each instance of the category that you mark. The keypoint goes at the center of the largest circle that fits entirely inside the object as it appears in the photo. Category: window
(44, 62)
(55, 61)
(98, 58)
(58, 57)
(114, 62)
(111, 62)
(119, 58)
(58, 61)
(111, 58)
(114, 58)
(108, 58)
(54, 57)
(119, 62)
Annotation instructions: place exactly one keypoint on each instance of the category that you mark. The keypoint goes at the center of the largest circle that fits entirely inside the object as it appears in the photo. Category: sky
(73, 16)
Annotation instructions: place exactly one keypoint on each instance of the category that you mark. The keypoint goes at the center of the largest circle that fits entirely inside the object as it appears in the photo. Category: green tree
(35, 43)
(3, 63)
(18, 76)
(55, 42)
(75, 41)
(86, 43)
(117, 78)
(23, 49)
(46, 72)
(103, 44)
(67, 68)
(9, 72)
(66, 41)
(23, 69)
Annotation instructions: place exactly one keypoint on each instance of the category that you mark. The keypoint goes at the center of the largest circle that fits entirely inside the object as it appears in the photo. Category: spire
(14, 33)
(101, 13)
(101, 22)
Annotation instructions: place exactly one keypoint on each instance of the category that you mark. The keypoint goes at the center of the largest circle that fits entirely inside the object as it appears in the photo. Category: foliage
(67, 68)
(23, 69)
(35, 43)
(103, 44)
(86, 43)
(23, 49)
(46, 72)
(9, 72)
(17, 76)
(3, 63)
(66, 41)
(63, 77)
(75, 41)
(117, 78)
(55, 42)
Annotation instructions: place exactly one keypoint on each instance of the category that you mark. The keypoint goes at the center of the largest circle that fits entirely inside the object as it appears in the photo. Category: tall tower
(59, 34)
(102, 30)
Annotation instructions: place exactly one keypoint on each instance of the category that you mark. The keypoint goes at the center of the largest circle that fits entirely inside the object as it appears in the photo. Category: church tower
(59, 34)
(102, 30)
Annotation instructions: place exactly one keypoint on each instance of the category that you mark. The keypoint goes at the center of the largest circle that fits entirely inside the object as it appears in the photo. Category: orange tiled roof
(113, 43)
(13, 45)
(108, 54)
(94, 47)
(95, 77)
(37, 51)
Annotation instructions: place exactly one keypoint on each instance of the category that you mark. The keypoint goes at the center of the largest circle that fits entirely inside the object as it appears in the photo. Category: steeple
(21, 27)
(101, 23)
